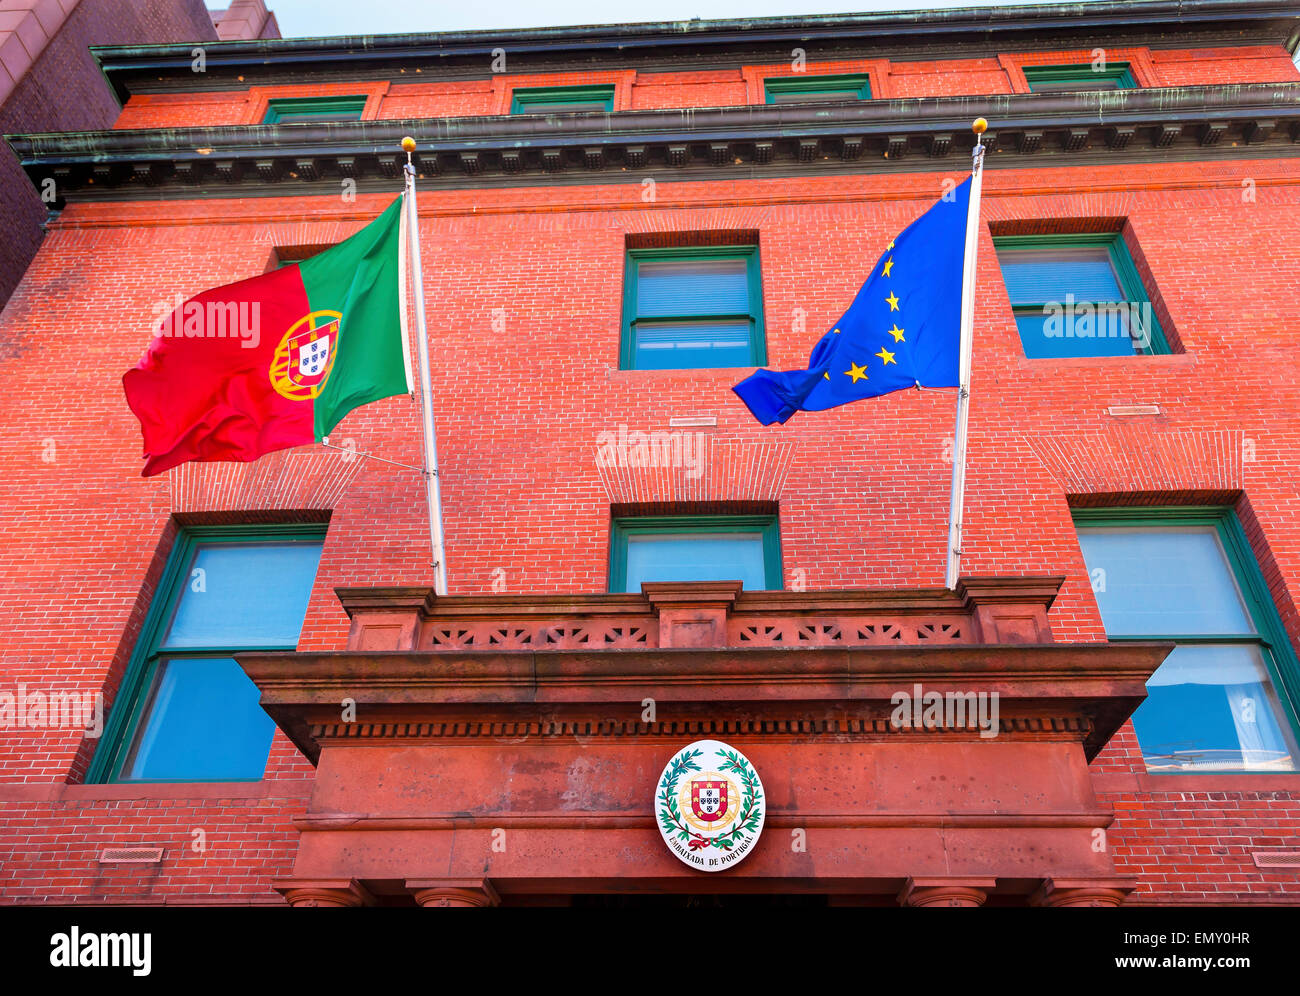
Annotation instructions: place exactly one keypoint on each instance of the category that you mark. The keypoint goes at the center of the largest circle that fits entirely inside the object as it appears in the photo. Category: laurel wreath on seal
(670, 813)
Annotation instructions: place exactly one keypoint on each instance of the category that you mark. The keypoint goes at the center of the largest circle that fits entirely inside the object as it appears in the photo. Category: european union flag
(902, 330)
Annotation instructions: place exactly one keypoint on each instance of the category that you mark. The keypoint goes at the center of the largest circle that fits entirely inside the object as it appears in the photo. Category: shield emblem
(309, 354)
(709, 799)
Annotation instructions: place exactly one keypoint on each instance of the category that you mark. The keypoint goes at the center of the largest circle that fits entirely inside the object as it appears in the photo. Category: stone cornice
(772, 664)
(691, 143)
(1080, 692)
(421, 600)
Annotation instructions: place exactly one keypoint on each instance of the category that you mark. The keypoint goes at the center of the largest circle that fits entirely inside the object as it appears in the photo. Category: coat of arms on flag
(305, 356)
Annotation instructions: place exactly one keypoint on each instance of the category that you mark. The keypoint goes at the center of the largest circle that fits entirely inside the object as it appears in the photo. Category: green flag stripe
(359, 278)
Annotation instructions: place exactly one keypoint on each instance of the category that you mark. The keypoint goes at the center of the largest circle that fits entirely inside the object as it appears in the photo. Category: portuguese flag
(276, 360)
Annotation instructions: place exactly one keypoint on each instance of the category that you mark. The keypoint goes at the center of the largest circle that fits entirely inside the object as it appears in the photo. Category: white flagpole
(957, 500)
(433, 487)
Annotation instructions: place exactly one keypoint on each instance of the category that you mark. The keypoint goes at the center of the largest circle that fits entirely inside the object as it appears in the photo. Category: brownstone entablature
(475, 749)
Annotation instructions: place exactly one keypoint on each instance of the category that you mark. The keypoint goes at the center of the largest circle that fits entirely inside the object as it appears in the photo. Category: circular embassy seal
(710, 805)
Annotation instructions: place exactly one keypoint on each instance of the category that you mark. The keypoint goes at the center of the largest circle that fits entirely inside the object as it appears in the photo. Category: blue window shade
(809, 97)
(1164, 581)
(692, 309)
(684, 345)
(204, 724)
(1082, 83)
(692, 287)
(314, 109)
(745, 548)
(1213, 708)
(1213, 704)
(1107, 335)
(1035, 276)
(186, 711)
(561, 107)
(244, 595)
(696, 557)
(1077, 295)
(801, 88)
(1062, 79)
(562, 99)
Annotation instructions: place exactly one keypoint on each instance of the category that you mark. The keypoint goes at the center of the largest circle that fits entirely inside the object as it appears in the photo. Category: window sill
(1046, 363)
(690, 370)
(1146, 783)
(267, 788)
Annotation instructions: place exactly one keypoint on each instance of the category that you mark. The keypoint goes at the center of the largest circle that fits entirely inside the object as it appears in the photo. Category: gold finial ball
(979, 126)
(408, 144)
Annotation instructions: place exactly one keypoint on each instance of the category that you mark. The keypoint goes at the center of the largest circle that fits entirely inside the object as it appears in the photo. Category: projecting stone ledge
(452, 725)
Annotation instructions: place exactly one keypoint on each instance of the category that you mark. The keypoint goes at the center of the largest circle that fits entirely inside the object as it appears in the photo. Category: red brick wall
(64, 90)
(721, 88)
(189, 110)
(1259, 64)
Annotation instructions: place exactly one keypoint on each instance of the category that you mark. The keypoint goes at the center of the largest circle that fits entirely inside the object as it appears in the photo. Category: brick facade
(524, 288)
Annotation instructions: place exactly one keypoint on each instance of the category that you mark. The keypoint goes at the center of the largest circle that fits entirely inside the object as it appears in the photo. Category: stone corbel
(953, 891)
(454, 892)
(1083, 892)
(334, 892)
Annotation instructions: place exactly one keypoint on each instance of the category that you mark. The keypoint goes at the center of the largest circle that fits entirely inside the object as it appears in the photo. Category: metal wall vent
(1277, 859)
(131, 856)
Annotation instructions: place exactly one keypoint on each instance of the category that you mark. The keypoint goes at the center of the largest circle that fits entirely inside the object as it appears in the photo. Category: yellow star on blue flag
(902, 330)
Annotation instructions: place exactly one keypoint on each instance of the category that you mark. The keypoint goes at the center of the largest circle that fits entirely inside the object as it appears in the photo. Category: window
(282, 256)
(562, 99)
(1078, 295)
(186, 711)
(744, 548)
(296, 110)
(692, 308)
(1056, 79)
(803, 89)
(1218, 702)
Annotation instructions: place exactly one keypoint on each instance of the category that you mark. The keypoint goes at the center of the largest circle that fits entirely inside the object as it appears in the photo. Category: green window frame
(297, 110)
(562, 99)
(131, 704)
(1061, 79)
(767, 526)
(1275, 649)
(1150, 339)
(797, 89)
(753, 314)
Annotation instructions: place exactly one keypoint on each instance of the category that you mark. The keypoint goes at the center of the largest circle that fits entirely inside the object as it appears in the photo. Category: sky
(313, 18)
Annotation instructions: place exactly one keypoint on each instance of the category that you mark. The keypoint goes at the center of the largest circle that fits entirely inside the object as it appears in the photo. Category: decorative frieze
(1062, 727)
(701, 614)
